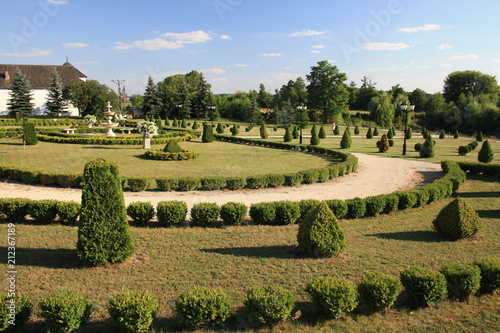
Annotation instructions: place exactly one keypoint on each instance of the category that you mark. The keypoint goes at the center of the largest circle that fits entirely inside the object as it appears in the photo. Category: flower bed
(163, 156)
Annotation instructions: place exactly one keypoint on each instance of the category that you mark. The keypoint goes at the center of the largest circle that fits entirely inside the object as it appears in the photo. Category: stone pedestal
(146, 143)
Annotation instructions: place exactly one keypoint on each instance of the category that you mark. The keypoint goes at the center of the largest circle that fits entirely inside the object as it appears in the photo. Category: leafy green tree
(289, 114)
(469, 82)
(90, 97)
(103, 232)
(381, 110)
(419, 98)
(346, 139)
(20, 95)
(486, 154)
(202, 99)
(314, 136)
(55, 100)
(264, 99)
(328, 92)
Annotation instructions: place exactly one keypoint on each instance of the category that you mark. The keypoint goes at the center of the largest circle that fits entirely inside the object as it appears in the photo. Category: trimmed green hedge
(163, 156)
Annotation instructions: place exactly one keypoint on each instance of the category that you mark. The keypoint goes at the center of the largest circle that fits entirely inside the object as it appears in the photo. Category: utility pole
(119, 82)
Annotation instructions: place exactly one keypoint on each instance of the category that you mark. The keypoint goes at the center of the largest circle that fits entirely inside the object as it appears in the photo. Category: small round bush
(391, 203)
(43, 211)
(204, 213)
(375, 205)
(407, 200)
(263, 213)
(199, 306)
(65, 311)
(68, 211)
(457, 220)
(19, 311)
(338, 207)
(235, 183)
(287, 212)
(133, 311)
(138, 184)
(379, 291)
(171, 213)
(332, 296)
(418, 146)
(141, 212)
(233, 213)
(187, 183)
(425, 287)
(356, 208)
(269, 304)
(166, 183)
(490, 274)
(307, 205)
(463, 280)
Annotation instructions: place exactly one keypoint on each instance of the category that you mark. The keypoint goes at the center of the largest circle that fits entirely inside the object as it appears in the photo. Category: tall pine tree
(20, 94)
(152, 103)
(55, 101)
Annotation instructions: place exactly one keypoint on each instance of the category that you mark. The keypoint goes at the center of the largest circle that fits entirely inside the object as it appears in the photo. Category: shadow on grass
(48, 258)
(488, 214)
(278, 252)
(412, 236)
(478, 194)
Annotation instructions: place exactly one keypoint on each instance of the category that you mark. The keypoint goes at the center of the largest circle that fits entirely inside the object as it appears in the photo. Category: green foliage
(407, 200)
(457, 220)
(338, 207)
(43, 211)
(375, 205)
(479, 136)
(263, 213)
(418, 146)
(103, 209)
(195, 125)
(356, 208)
(356, 130)
(287, 212)
(200, 306)
(19, 312)
(310, 176)
(409, 133)
(204, 213)
(332, 296)
(375, 131)
(21, 97)
(208, 133)
(183, 123)
(275, 180)
(235, 130)
(233, 213)
(141, 212)
(336, 131)
(166, 183)
(235, 183)
(172, 147)
(369, 133)
(463, 280)
(391, 203)
(68, 211)
(391, 132)
(485, 155)
(490, 274)
(269, 305)
(212, 183)
(133, 311)
(29, 133)
(427, 149)
(138, 184)
(306, 205)
(322, 132)
(171, 213)
(320, 234)
(70, 180)
(456, 134)
(295, 132)
(220, 128)
(263, 130)
(175, 123)
(346, 139)
(379, 291)
(442, 134)
(257, 182)
(187, 183)
(424, 286)
(14, 209)
(314, 136)
(288, 134)
(64, 311)
(383, 144)
(163, 156)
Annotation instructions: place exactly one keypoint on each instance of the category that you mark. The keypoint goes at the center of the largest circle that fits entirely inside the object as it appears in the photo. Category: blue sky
(239, 44)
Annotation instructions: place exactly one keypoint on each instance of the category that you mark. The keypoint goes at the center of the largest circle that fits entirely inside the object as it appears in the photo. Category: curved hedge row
(163, 156)
(477, 167)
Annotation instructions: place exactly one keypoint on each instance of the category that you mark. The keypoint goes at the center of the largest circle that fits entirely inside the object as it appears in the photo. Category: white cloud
(189, 37)
(57, 2)
(319, 46)
(464, 57)
(309, 33)
(331, 61)
(214, 70)
(278, 54)
(220, 79)
(385, 46)
(71, 45)
(35, 52)
(241, 65)
(444, 47)
(446, 65)
(426, 27)
(150, 45)
(225, 37)
(315, 51)
(496, 60)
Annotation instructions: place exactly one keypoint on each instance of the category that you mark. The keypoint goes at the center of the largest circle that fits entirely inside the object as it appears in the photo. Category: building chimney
(6, 75)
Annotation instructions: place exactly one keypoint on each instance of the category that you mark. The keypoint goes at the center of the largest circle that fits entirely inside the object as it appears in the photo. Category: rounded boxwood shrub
(457, 220)
(490, 274)
(263, 213)
(14, 209)
(379, 291)
(310, 176)
(307, 205)
(463, 280)
(287, 212)
(407, 199)
(269, 305)
(48, 178)
(43, 211)
(356, 208)
(293, 179)
(257, 182)
(19, 311)
(418, 146)
(133, 311)
(275, 180)
(424, 286)
(233, 213)
(200, 306)
(320, 234)
(65, 311)
(375, 205)
(463, 150)
(338, 207)
(103, 209)
(166, 183)
(170, 213)
(235, 183)
(391, 203)
(187, 183)
(332, 296)
(68, 211)
(71, 180)
(422, 196)
(138, 184)
(212, 183)
(204, 213)
(141, 212)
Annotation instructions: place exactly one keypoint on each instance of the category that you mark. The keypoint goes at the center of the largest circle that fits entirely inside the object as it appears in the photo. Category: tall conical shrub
(383, 144)
(442, 134)
(208, 133)
(322, 133)
(409, 133)
(103, 232)
(235, 130)
(172, 147)
(369, 133)
(336, 130)
(456, 134)
(356, 130)
(220, 128)
(320, 234)
(314, 136)
(288, 134)
(29, 134)
(486, 154)
(457, 220)
(263, 130)
(479, 136)
(295, 132)
(375, 131)
(346, 139)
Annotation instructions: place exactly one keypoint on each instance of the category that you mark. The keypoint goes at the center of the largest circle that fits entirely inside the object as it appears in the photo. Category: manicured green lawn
(170, 260)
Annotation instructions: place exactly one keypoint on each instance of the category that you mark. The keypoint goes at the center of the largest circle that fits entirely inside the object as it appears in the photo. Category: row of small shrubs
(33, 176)
(476, 167)
(165, 156)
(11, 132)
(199, 307)
(42, 211)
(62, 138)
(44, 122)
(464, 150)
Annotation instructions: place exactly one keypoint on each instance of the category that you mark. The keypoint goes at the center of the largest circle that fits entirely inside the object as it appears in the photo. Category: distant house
(39, 77)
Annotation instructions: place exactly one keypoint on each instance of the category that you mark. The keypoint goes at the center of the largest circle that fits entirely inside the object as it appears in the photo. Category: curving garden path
(375, 175)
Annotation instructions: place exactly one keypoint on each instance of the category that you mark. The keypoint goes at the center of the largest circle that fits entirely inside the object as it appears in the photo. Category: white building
(39, 77)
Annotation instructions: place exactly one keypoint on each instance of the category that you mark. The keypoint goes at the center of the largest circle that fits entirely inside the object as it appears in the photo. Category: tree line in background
(469, 101)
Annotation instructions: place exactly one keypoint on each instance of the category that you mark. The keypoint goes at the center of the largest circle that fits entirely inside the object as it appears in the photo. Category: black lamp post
(179, 107)
(301, 109)
(404, 108)
(211, 109)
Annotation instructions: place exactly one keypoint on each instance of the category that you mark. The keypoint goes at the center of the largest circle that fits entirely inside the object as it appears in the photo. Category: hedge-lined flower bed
(163, 156)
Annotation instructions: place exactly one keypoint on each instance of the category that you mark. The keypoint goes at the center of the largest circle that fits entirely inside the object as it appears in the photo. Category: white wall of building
(39, 100)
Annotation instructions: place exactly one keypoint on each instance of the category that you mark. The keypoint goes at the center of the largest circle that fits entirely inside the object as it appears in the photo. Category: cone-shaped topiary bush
(442, 135)
(314, 136)
(320, 234)
(103, 232)
(356, 130)
(295, 132)
(457, 220)
(288, 134)
(383, 144)
(322, 132)
(208, 133)
(220, 128)
(479, 136)
(235, 130)
(427, 149)
(486, 154)
(29, 134)
(195, 125)
(172, 147)
(369, 133)
(375, 131)
(456, 134)
(263, 130)
(391, 132)
(409, 133)
(346, 139)
(336, 130)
